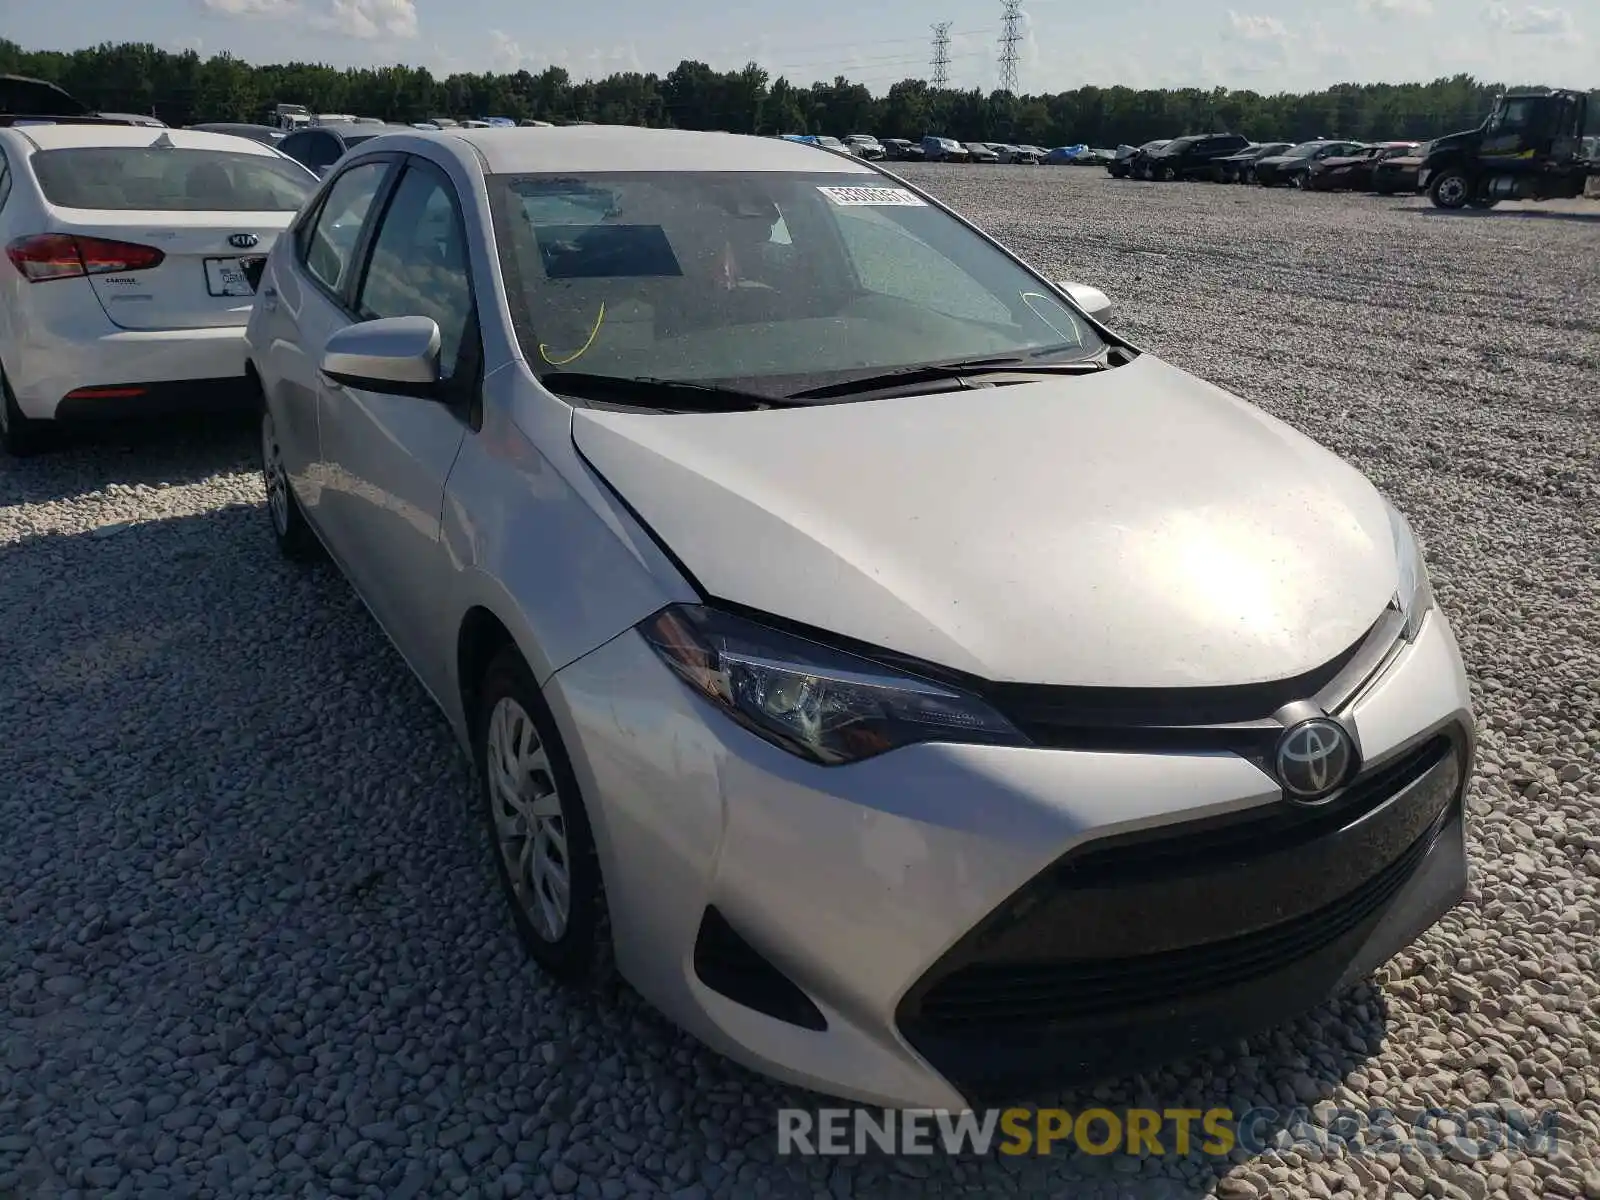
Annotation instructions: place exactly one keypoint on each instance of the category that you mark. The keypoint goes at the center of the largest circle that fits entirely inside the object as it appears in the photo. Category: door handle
(269, 298)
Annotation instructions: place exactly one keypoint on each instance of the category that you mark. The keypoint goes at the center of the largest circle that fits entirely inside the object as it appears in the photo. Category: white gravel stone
(249, 939)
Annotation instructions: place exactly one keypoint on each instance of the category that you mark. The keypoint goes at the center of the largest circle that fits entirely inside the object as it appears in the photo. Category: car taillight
(45, 256)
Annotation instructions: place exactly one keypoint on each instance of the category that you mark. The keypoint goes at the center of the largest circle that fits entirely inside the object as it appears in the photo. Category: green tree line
(183, 88)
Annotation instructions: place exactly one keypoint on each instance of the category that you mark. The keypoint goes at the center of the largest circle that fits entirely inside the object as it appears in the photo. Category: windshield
(127, 178)
(775, 280)
(1303, 149)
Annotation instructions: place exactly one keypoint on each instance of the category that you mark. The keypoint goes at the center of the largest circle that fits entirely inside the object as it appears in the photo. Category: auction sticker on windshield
(872, 195)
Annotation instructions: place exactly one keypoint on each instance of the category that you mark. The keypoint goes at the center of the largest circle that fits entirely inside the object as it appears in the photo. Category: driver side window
(418, 266)
(331, 236)
(892, 262)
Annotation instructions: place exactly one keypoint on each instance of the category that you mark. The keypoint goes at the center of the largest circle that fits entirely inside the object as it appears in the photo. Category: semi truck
(1531, 147)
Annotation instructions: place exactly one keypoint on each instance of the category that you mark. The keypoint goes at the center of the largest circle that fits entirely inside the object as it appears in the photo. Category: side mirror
(1091, 299)
(395, 356)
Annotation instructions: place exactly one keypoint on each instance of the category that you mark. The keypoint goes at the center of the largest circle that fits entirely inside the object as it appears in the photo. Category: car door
(304, 300)
(392, 455)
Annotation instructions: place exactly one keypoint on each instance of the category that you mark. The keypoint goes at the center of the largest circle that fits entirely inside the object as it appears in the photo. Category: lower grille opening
(732, 967)
(1038, 995)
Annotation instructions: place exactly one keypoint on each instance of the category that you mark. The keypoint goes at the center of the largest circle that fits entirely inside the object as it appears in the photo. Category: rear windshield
(126, 178)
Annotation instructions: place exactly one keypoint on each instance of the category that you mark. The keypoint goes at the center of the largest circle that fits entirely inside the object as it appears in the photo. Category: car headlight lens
(811, 700)
(1414, 594)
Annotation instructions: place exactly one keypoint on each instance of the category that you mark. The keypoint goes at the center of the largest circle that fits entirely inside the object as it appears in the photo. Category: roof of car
(593, 148)
(63, 137)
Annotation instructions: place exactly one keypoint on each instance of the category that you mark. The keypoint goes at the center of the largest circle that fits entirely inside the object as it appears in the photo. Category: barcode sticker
(847, 196)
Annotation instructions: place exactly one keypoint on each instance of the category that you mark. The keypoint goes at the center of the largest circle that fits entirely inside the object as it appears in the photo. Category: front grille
(1044, 994)
(1214, 843)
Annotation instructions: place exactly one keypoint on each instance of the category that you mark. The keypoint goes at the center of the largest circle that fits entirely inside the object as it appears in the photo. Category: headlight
(1414, 594)
(814, 701)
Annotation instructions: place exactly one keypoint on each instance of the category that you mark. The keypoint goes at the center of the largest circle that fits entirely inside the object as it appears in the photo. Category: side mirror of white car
(1091, 299)
(395, 356)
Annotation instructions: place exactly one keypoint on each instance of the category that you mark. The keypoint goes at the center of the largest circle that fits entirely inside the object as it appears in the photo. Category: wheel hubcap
(1452, 190)
(530, 830)
(273, 475)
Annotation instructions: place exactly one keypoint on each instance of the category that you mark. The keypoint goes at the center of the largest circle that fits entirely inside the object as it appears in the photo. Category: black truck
(1531, 147)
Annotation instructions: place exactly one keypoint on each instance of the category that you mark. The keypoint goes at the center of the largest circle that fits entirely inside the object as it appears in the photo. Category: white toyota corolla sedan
(941, 695)
(131, 257)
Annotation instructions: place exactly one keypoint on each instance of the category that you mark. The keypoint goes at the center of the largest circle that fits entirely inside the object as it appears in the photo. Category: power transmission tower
(1010, 39)
(941, 54)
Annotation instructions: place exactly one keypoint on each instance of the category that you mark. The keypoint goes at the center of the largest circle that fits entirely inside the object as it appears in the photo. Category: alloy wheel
(1453, 191)
(529, 824)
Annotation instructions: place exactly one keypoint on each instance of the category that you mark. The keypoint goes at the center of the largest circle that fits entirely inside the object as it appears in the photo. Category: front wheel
(1301, 180)
(1450, 189)
(545, 854)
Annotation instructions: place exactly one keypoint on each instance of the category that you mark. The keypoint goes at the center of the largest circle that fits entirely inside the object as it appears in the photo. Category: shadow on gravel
(1521, 214)
(149, 453)
(250, 910)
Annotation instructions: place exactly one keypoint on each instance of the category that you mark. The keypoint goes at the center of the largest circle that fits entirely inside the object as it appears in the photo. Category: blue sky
(1268, 45)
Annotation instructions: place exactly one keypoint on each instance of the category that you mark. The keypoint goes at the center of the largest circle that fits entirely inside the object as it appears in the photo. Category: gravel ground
(249, 933)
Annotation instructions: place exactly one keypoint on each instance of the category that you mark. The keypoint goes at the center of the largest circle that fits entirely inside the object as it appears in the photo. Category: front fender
(537, 540)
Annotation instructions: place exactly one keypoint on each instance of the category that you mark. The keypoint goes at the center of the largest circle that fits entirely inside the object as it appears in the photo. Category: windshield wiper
(648, 392)
(957, 370)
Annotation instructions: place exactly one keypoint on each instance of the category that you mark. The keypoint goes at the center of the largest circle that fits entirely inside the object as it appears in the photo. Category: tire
(1301, 181)
(1248, 175)
(296, 540)
(518, 753)
(1166, 174)
(1450, 189)
(20, 436)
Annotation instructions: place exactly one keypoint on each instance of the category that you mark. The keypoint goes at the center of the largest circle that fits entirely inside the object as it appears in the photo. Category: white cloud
(1532, 20)
(370, 20)
(251, 8)
(506, 54)
(1257, 28)
(1396, 8)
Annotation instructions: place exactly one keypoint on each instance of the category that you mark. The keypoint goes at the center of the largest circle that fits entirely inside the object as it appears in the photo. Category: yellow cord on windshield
(544, 351)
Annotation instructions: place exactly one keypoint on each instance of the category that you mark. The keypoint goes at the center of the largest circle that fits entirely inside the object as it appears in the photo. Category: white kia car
(941, 695)
(131, 260)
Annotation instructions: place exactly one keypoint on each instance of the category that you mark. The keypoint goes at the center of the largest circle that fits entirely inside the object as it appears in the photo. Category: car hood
(1134, 528)
(1282, 160)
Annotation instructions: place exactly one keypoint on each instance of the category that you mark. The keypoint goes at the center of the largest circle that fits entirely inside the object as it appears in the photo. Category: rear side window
(131, 178)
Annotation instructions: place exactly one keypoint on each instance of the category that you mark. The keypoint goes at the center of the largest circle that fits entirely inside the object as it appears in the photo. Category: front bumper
(969, 921)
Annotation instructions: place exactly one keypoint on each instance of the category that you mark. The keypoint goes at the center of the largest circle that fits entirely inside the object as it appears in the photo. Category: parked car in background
(265, 134)
(1399, 175)
(979, 152)
(1147, 739)
(131, 262)
(1353, 172)
(833, 143)
(1029, 155)
(1294, 164)
(943, 149)
(1240, 166)
(1062, 156)
(902, 150)
(1193, 156)
(320, 146)
(1095, 156)
(866, 146)
(1122, 166)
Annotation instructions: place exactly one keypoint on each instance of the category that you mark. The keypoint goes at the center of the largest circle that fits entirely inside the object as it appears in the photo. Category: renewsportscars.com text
(1474, 1134)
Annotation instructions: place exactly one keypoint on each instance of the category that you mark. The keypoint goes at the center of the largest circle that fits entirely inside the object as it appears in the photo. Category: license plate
(233, 276)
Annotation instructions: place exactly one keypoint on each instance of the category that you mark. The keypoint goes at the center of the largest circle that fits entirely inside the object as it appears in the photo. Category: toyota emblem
(243, 241)
(1314, 759)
